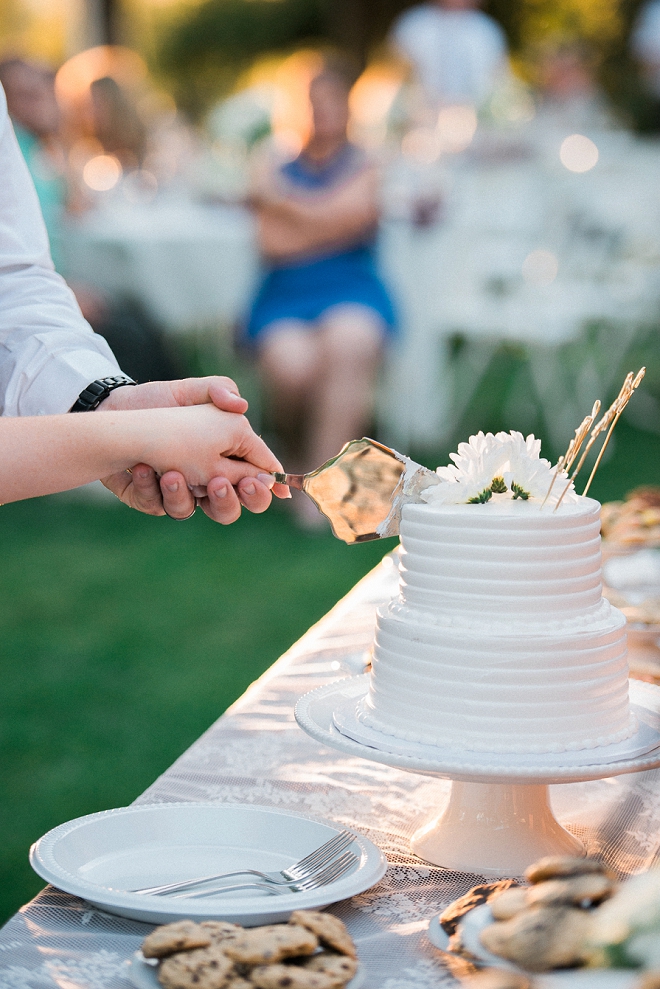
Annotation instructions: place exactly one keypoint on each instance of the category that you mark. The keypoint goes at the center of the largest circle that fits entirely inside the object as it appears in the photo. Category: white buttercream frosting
(500, 639)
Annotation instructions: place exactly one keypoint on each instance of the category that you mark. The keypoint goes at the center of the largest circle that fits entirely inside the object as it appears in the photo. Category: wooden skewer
(565, 462)
(622, 401)
(602, 451)
(558, 468)
(596, 431)
(580, 435)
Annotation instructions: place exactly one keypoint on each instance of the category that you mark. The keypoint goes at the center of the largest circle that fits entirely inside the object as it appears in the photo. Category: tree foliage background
(203, 50)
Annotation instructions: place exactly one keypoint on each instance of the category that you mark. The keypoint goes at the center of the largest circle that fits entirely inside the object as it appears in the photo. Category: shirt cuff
(59, 383)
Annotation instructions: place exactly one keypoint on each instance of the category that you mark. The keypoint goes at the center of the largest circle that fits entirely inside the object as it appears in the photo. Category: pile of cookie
(541, 926)
(572, 914)
(313, 951)
(547, 924)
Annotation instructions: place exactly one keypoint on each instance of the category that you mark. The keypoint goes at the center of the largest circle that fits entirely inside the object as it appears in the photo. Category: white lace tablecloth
(256, 753)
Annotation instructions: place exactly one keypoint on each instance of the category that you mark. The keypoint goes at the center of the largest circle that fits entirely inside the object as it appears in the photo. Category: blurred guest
(645, 44)
(570, 97)
(456, 52)
(32, 106)
(130, 331)
(322, 314)
(116, 124)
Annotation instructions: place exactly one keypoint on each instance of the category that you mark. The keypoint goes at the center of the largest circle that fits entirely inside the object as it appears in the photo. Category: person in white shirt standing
(52, 362)
(457, 52)
(645, 47)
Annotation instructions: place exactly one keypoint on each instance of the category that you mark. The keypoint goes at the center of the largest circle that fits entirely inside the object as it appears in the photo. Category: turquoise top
(50, 186)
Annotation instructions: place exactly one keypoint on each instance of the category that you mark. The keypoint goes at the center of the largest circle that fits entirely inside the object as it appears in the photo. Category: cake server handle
(292, 480)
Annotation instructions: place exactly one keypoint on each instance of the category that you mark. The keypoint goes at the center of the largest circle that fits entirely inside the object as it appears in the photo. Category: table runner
(255, 753)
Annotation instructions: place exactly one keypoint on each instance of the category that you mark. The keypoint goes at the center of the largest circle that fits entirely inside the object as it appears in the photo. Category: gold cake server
(363, 489)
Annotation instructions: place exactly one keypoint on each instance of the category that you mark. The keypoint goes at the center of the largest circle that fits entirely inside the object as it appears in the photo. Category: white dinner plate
(142, 973)
(474, 922)
(101, 857)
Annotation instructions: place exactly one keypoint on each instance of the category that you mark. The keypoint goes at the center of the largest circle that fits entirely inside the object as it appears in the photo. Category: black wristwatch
(91, 397)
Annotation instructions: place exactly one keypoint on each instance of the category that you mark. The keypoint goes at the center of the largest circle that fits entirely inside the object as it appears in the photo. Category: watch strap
(91, 397)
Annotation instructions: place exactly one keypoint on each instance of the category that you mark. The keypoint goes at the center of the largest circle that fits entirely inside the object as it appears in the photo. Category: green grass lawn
(124, 637)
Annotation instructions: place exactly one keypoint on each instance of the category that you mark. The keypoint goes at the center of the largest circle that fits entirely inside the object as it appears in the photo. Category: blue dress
(306, 288)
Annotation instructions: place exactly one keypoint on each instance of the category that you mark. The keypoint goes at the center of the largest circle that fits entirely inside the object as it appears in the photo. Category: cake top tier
(505, 558)
(487, 540)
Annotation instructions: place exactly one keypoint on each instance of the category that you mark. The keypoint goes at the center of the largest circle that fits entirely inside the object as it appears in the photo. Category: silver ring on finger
(185, 517)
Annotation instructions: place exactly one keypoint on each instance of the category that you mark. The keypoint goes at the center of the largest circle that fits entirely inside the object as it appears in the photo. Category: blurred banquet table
(191, 264)
(256, 754)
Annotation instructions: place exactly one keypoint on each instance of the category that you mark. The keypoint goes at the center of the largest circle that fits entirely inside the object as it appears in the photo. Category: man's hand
(170, 494)
(218, 389)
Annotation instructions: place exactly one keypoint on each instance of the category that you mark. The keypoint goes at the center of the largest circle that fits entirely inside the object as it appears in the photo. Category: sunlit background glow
(78, 73)
(370, 103)
(540, 268)
(578, 153)
(457, 126)
(453, 133)
(291, 119)
(422, 145)
(102, 173)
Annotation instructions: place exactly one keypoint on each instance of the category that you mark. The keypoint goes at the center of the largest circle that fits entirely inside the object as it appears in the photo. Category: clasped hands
(201, 451)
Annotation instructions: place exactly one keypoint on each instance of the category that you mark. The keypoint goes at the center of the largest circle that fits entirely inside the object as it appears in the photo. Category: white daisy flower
(459, 488)
(505, 463)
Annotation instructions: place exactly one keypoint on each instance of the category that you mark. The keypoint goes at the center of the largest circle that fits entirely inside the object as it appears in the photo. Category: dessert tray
(102, 857)
(498, 819)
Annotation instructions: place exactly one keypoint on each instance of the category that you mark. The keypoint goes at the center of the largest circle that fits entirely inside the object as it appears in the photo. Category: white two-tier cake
(500, 640)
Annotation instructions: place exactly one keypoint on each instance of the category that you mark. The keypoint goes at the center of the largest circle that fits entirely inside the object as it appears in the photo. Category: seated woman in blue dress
(322, 315)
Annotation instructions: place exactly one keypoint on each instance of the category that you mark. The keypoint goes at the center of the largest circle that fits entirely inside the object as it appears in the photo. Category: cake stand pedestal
(498, 819)
(494, 829)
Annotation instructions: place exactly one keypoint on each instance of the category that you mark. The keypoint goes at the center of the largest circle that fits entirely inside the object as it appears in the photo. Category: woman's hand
(209, 448)
(145, 492)
(215, 453)
(199, 441)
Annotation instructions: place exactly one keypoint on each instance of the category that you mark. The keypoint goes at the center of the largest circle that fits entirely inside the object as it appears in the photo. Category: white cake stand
(498, 820)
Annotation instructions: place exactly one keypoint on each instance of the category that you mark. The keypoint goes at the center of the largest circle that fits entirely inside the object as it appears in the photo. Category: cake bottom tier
(499, 692)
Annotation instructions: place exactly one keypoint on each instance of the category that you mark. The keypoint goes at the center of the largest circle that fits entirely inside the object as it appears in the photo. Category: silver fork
(334, 871)
(305, 868)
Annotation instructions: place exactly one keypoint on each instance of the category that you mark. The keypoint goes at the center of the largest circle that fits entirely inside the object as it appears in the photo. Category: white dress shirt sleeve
(48, 352)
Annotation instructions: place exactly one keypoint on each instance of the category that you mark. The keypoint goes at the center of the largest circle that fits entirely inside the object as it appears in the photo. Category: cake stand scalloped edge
(314, 713)
(498, 819)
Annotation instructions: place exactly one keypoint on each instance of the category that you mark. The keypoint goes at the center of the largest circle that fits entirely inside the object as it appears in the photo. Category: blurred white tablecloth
(192, 265)
(256, 754)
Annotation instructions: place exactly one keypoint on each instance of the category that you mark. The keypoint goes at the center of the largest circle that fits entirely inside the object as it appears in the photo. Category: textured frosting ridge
(500, 639)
